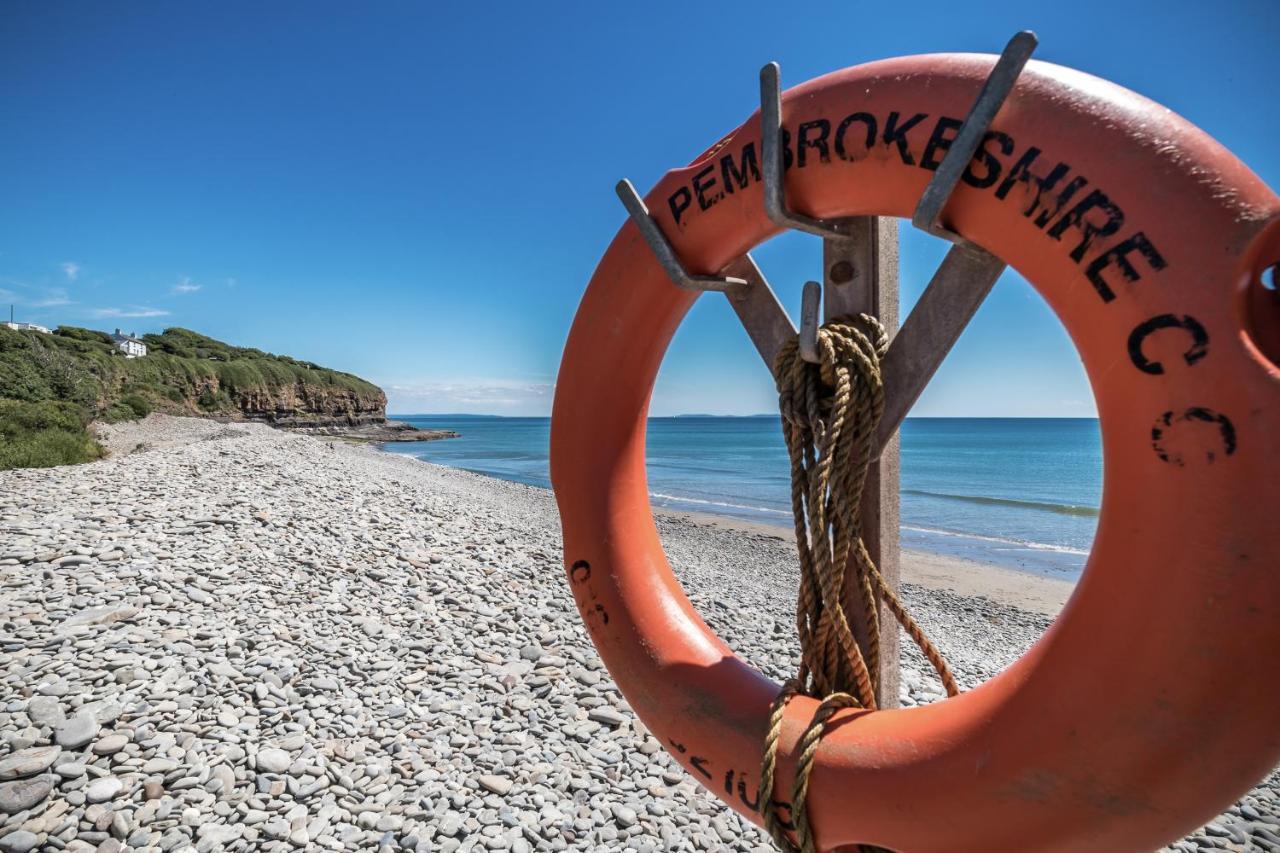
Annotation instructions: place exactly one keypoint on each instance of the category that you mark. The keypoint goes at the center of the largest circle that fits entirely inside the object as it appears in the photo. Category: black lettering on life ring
(1165, 434)
(778, 807)
(742, 794)
(580, 572)
(1198, 349)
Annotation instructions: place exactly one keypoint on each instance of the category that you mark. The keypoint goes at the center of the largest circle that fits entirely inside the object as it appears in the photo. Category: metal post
(860, 272)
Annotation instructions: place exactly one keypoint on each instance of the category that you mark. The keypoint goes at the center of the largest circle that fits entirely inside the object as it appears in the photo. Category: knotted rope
(830, 412)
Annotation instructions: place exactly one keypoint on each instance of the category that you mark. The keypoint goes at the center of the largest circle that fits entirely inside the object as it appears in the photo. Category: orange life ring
(1153, 700)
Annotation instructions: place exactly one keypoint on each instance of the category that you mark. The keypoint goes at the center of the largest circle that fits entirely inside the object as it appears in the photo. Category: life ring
(1152, 701)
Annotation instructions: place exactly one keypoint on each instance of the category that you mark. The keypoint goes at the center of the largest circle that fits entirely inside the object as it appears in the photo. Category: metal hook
(992, 96)
(772, 154)
(663, 250)
(810, 302)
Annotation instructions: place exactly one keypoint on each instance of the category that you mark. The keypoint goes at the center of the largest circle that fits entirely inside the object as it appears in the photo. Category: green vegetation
(37, 435)
(52, 386)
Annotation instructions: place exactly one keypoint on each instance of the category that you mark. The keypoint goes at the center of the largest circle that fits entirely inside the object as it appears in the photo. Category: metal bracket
(749, 294)
(772, 160)
(992, 96)
(810, 301)
(968, 272)
(663, 250)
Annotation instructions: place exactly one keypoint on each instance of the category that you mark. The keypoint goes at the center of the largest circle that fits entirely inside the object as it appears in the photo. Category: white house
(26, 327)
(129, 345)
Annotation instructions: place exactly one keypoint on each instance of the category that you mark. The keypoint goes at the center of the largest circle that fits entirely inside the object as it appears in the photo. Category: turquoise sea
(1020, 492)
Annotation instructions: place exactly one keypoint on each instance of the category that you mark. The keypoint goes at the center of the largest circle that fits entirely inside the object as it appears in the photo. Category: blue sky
(418, 193)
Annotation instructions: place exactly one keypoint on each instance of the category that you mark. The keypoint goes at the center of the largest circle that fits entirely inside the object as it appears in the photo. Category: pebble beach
(230, 637)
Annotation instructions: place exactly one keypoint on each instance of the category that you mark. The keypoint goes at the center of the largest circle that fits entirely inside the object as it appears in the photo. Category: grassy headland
(53, 385)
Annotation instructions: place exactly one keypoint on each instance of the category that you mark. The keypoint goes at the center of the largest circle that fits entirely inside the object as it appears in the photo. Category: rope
(830, 412)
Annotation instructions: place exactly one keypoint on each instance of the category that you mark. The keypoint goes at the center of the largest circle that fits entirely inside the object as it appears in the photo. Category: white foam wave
(1018, 543)
(681, 499)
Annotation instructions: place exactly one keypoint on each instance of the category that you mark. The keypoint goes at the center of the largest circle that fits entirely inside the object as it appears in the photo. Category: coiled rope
(830, 412)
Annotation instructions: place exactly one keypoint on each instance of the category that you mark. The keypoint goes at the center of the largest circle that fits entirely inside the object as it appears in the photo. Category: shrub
(140, 405)
(115, 413)
(39, 435)
(75, 333)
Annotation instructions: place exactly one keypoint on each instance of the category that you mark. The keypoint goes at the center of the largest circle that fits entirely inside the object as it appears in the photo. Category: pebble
(606, 715)
(110, 744)
(294, 644)
(20, 841)
(499, 785)
(274, 761)
(450, 826)
(28, 762)
(76, 732)
(101, 790)
(23, 794)
(45, 711)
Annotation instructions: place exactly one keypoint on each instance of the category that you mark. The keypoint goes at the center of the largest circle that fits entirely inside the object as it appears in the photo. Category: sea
(1017, 492)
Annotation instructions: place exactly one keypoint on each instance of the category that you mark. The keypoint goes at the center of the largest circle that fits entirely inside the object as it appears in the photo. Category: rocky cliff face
(307, 405)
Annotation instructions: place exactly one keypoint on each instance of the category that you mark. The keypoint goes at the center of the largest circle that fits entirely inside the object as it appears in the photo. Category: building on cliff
(24, 327)
(129, 345)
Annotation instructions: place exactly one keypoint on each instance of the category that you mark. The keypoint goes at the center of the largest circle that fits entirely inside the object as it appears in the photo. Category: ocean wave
(1017, 543)
(1043, 506)
(763, 509)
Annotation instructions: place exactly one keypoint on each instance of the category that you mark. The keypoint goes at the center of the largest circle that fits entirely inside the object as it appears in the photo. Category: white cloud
(53, 299)
(36, 297)
(133, 311)
(71, 270)
(186, 286)
(479, 396)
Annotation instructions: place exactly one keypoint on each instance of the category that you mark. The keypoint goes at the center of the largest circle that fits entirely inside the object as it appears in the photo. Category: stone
(101, 790)
(45, 711)
(23, 794)
(104, 615)
(272, 760)
(159, 765)
(499, 785)
(28, 762)
(76, 732)
(606, 716)
(389, 823)
(450, 826)
(21, 841)
(110, 745)
(624, 815)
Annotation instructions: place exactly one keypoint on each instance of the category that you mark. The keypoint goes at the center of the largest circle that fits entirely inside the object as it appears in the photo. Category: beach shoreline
(1016, 493)
(1019, 588)
(227, 636)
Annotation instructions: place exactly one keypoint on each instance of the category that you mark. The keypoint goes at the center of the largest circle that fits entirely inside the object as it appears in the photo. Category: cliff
(183, 373)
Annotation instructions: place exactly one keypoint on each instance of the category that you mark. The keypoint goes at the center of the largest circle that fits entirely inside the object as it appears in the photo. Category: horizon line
(759, 415)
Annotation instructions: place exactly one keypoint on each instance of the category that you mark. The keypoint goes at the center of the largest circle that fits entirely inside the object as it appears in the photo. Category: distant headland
(54, 384)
